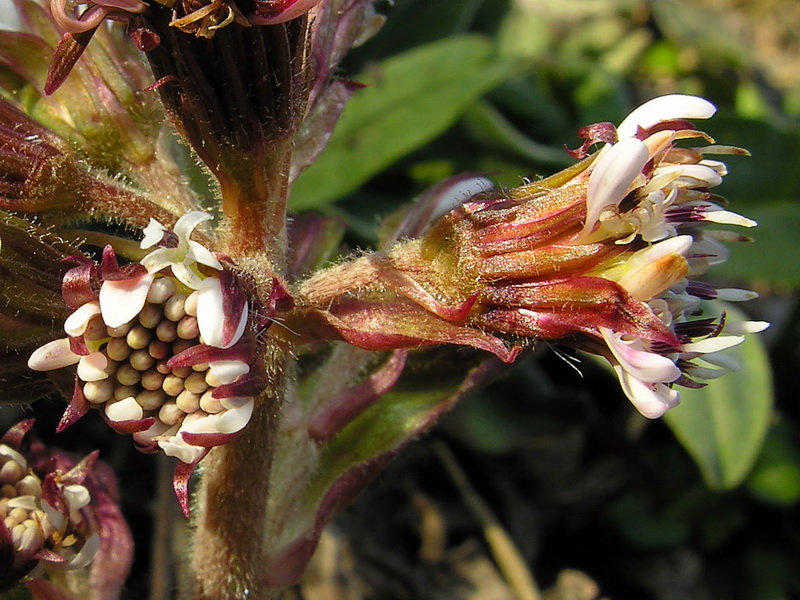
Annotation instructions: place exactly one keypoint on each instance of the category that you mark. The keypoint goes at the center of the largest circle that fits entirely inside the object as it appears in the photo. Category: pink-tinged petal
(92, 367)
(153, 234)
(78, 321)
(122, 300)
(234, 307)
(640, 363)
(249, 385)
(53, 355)
(215, 325)
(652, 401)
(203, 255)
(203, 353)
(42, 589)
(228, 371)
(126, 409)
(615, 171)
(129, 427)
(665, 108)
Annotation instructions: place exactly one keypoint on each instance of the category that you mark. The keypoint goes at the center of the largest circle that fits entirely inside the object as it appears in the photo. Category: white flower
(184, 256)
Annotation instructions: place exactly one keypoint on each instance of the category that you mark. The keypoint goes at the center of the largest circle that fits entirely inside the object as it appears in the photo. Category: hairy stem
(228, 552)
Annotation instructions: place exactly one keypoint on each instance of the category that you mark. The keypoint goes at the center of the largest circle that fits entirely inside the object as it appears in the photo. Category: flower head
(45, 524)
(604, 256)
(160, 348)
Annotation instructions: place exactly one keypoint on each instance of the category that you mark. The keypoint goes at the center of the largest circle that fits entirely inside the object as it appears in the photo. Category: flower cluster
(43, 521)
(160, 348)
(629, 250)
(603, 256)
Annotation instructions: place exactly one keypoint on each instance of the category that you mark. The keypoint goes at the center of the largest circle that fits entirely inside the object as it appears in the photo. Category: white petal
(26, 502)
(87, 553)
(53, 355)
(203, 255)
(126, 409)
(159, 259)
(714, 344)
(121, 301)
(735, 295)
(652, 401)
(744, 327)
(77, 322)
(727, 217)
(92, 367)
(722, 360)
(147, 437)
(614, 173)
(680, 244)
(187, 276)
(9, 452)
(228, 421)
(228, 371)
(187, 223)
(153, 234)
(695, 173)
(77, 496)
(55, 517)
(177, 447)
(665, 108)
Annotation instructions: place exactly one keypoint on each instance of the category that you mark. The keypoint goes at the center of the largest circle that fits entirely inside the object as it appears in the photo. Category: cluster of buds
(603, 256)
(44, 525)
(162, 348)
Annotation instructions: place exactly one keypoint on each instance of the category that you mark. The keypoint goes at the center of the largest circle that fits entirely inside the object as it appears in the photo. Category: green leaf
(723, 424)
(397, 417)
(408, 101)
(776, 235)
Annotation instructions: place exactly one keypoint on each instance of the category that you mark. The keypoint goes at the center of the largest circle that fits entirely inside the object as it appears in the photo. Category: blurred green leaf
(776, 475)
(775, 236)
(488, 125)
(723, 424)
(645, 529)
(408, 101)
(397, 417)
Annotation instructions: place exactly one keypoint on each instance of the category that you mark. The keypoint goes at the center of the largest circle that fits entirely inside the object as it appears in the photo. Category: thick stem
(255, 207)
(228, 551)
